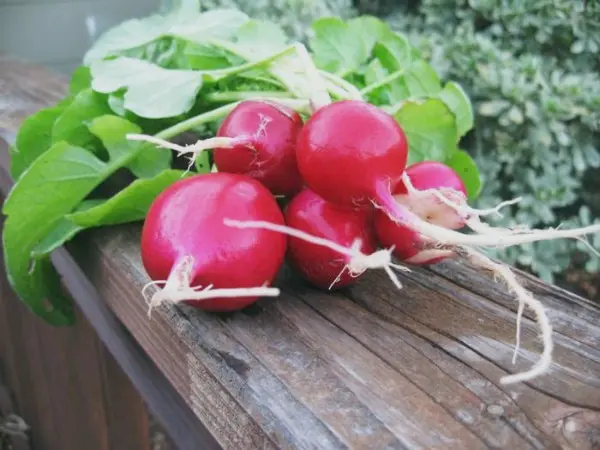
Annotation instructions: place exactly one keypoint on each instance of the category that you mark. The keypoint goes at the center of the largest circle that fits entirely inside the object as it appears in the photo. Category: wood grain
(369, 367)
(66, 387)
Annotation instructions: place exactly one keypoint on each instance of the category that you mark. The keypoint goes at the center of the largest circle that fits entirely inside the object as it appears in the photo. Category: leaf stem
(391, 77)
(347, 91)
(282, 98)
(224, 73)
(338, 81)
(196, 121)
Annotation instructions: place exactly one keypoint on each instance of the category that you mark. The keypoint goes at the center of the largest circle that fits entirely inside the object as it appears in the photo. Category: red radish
(352, 153)
(348, 149)
(263, 145)
(185, 243)
(257, 139)
(428, 179)
(322, 266)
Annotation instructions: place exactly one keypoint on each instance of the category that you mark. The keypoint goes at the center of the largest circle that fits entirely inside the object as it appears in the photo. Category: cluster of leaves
(183, 71)
(293, 16)
(530, 69)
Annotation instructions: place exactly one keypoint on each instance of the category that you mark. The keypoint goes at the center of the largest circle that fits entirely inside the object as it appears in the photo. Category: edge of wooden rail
(163, 400)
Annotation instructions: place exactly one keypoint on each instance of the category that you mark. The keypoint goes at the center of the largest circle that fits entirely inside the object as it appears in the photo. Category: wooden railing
(369, 368)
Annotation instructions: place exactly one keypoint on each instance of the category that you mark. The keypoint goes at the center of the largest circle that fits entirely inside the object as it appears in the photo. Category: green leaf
(152, 92)
(202, 163)
(62, 232)
(205, 57)
(262, 37)
(129, 205)
(216, 23)
(464, 165)
(493, 108)
(336, 49)
(430, 128)
(127, 35)
(192, 26)
(150, 162)
(33, 139)
(117, 104)
(459, 103)
(53, 185)
(394, 51)
(81, 79)
(421, 80)
(369, 29)
(72, 125)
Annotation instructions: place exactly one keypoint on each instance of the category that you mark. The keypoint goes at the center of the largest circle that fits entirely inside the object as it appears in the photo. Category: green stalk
(224, 73)
(349, 91)
(391, 77)
(234, 96)
(349, 88)
(281, 98)
(196, 121)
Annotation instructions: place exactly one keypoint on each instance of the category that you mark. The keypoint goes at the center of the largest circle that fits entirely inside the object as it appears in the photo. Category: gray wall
(56, 33)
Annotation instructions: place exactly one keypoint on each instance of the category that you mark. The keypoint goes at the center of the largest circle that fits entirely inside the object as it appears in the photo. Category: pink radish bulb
(319, 265)
(350, 150)
(263, 145)
(427, 177)
(185, 241)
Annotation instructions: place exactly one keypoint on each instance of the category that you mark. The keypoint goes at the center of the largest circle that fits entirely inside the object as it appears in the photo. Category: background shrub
(531, 69)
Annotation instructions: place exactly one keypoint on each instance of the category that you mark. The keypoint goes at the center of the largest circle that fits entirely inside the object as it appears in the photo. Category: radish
(352, 153)
(347, 149)
(258, 139)
(186, 246)
(322, 266)
(262, 144)
(431, 179)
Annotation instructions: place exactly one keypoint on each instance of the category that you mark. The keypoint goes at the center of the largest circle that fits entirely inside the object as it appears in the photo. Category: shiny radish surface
(184, 238)
(263, 145)
(410, 246)
(348, 149)
(322, 266)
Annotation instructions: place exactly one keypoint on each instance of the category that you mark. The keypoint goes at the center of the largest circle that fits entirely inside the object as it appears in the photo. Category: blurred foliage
(294, 16)
(531, 69)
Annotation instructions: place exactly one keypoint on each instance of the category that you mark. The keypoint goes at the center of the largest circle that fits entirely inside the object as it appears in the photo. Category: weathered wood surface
(65, 385)
(367, 368)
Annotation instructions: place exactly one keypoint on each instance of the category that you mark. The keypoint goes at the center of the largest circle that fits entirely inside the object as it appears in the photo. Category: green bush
(531, 69)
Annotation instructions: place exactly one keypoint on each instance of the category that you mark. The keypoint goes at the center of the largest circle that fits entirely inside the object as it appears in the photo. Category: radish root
(525, 299)
(359, 262)
(405, 217)
(194, 149)
(488, 236)
(177, 288)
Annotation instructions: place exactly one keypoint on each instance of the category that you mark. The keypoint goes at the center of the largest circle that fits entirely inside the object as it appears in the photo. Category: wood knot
(495, 410)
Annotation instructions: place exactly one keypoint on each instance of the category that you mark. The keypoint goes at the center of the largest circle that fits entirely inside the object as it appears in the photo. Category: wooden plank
(369, 367)
(67, 388)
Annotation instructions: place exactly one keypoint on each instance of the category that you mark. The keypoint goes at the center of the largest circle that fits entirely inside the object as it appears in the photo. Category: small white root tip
(485, 235)
(525, 299)
(194, 150)
(359, 262)
(177, 288)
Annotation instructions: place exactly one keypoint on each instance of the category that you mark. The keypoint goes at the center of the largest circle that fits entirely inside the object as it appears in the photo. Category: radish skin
(350, 153)
(186, 246)
(322, 266)
(432, 186)
(341, 166)
(358, 263)
(257, 139)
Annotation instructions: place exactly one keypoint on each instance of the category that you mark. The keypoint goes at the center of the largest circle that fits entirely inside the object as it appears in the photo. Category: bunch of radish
(217, 241)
